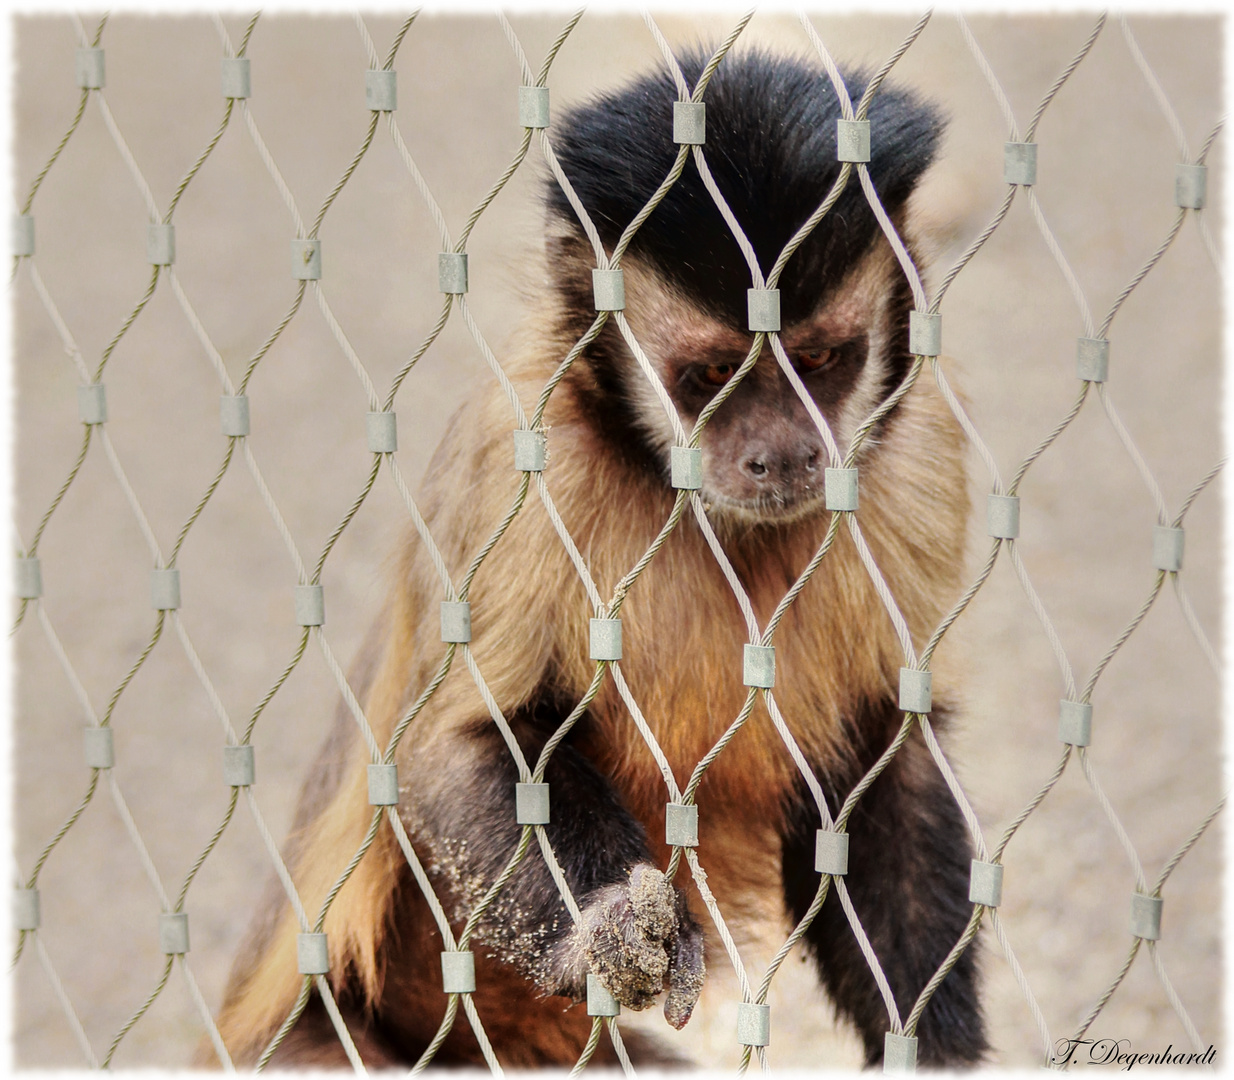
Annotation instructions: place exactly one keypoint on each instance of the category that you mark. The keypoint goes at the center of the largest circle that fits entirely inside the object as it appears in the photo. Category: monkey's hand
(639, 939)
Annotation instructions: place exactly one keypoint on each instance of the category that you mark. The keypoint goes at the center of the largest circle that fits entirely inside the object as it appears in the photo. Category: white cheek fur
(653, 421)
(865, 395)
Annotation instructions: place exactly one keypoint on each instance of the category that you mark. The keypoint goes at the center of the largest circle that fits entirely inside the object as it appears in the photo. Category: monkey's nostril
(812, 461)
(757, 468)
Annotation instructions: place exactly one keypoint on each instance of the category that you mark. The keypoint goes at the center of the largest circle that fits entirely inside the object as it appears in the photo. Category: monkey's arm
(637, 934)
(908, 880)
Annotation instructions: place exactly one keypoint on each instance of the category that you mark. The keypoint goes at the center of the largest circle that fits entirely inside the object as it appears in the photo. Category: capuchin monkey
(771, 146)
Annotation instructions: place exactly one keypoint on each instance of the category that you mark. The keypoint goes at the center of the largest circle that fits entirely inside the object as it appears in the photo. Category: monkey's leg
(314, 1044)
(908, 872)
(636, 935)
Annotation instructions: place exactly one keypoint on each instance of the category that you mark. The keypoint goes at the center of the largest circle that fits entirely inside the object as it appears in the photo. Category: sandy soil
(1105, 186)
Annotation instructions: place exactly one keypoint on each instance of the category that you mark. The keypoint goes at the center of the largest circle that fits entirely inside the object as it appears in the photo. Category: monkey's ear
(905, 133)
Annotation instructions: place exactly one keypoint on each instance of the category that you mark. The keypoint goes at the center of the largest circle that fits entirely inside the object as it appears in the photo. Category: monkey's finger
(687, 968)
(653, 902)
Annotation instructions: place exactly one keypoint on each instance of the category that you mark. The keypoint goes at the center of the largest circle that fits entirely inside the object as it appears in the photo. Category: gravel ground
(1105, 187)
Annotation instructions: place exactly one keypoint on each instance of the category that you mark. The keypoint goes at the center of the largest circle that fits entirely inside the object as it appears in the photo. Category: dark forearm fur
(908, 877)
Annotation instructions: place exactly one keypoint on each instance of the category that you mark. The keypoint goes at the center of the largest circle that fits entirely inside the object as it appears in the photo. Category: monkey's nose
(784, 466)
(771, 467)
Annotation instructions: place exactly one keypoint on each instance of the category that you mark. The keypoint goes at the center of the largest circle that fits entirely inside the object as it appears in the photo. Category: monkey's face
(763, 455)
(771, 152)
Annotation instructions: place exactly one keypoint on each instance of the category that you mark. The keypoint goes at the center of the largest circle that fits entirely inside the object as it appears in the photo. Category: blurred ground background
(1105, 185)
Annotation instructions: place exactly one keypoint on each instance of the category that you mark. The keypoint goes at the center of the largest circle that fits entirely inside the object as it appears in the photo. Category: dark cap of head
(771, 147)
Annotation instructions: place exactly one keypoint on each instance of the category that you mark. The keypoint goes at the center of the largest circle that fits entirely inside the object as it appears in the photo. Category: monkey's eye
(814, 359)
(717, 374)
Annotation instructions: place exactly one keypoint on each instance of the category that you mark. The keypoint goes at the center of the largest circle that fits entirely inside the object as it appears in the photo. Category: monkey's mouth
(780, 505)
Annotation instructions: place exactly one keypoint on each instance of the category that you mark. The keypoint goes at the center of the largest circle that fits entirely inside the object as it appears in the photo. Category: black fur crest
(771, 146)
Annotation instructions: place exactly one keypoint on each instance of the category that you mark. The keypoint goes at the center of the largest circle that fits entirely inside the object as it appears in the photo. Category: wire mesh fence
(154, 212)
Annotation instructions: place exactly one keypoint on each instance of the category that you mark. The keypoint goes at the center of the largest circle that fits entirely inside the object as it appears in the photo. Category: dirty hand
(639, 938)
